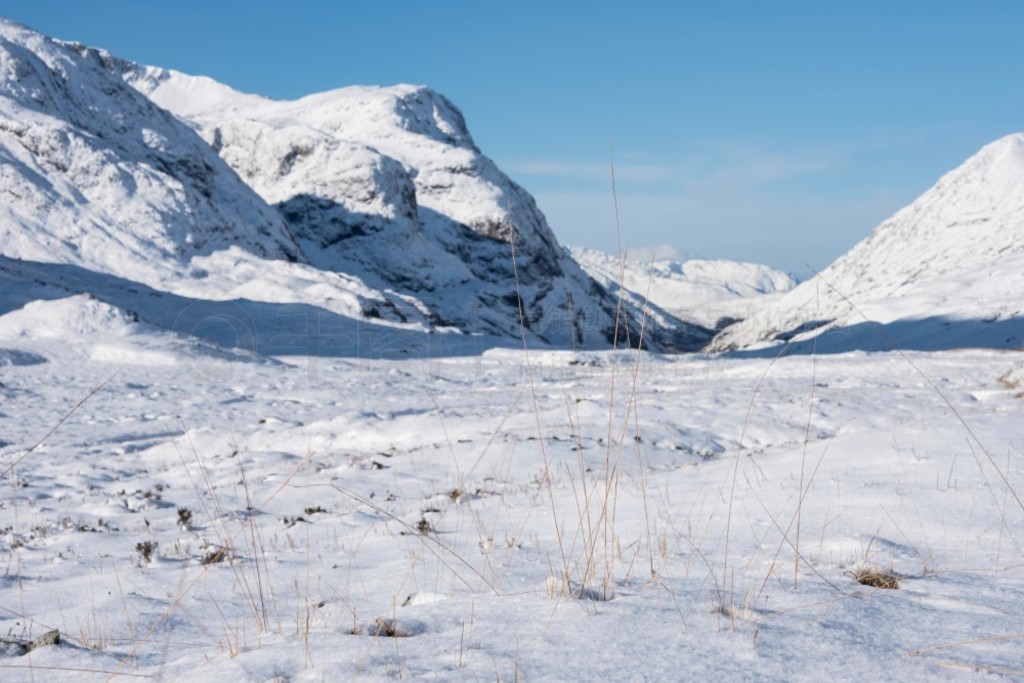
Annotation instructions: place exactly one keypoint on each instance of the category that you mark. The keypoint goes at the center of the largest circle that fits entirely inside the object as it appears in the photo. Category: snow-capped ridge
(383, 184)
(954, 254)
(417, 109)
(387, 183)
(96, 174)
(178, 94)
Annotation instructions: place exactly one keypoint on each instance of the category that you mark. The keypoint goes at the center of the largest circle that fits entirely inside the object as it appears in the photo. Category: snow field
(546, 516)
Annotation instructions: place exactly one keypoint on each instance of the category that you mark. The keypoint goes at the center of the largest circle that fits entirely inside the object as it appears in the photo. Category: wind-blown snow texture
(214, 517)
(945, 272)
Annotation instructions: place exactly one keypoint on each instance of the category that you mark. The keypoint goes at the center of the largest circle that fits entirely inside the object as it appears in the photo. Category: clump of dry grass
(388, 628)
(1014, 381)
(876, 577)
(147, 550)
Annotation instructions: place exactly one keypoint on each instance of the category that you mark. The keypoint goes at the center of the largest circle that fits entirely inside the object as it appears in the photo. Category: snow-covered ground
(510, 514)
(240, 441)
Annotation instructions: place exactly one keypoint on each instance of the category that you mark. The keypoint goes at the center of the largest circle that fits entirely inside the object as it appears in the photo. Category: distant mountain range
(713, 294)
(304, 226)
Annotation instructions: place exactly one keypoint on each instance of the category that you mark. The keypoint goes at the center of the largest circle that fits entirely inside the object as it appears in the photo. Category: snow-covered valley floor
(509, 515)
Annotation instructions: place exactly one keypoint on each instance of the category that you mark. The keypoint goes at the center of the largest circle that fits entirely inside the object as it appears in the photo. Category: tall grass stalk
(533, 387)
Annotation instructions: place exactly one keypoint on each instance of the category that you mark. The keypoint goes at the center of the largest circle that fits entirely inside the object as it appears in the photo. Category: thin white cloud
(719, 167)
(737, 166)
(740, 198)
(639, 173)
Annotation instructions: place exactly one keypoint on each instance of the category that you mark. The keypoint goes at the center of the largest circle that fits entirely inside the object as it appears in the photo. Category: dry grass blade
(981, 667)
(58, 425)
(961, 643)
(428, 541)
(199, 575)
(73, 669)
(972, 667)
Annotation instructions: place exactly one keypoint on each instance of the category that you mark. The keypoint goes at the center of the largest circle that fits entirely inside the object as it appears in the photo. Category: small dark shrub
(147, 549)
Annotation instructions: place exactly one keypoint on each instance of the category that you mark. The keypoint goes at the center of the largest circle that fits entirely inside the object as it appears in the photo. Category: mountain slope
(107, 194)
(937, 274)
(95, 174)
(368, 203)
(387, 184)
(707, 293)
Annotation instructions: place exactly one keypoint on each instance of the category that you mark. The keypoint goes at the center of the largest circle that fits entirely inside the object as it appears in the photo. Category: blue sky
(776, 132)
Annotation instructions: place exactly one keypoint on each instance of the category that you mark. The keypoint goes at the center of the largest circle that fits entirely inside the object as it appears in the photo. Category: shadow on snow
(936, 333)
(264, 328)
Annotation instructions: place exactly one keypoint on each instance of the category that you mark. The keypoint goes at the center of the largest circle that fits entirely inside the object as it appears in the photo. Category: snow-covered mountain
(372, 204)
(94, 174)
(946, 271)
(388, 185)
(711, 293)
(107, 194)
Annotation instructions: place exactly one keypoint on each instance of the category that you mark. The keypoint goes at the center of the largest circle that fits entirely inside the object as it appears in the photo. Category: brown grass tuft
(877, 578)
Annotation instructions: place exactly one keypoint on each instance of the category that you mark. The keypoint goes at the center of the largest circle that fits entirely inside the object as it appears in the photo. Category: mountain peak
(387, 184)
(954, 253)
